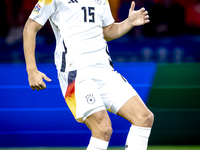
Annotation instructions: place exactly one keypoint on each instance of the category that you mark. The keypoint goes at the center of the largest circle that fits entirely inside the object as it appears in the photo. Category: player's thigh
(135, 111)
(116, 91)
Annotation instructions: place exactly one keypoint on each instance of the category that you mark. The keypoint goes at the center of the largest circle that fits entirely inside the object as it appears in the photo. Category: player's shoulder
(46, 2)
(42, 3)
(105, 2)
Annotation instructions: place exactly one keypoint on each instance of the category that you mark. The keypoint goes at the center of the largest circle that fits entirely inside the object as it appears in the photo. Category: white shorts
(94, 88)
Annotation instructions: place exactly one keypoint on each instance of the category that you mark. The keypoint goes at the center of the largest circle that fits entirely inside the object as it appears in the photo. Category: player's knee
(144, 119)
(104, 131)
(150, 118)
(108, 132)
(147, 119)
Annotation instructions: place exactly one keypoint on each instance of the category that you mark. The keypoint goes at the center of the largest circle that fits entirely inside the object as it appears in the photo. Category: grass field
(115, 148)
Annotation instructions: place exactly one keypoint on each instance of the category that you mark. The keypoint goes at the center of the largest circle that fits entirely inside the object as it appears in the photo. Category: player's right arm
(35, 77)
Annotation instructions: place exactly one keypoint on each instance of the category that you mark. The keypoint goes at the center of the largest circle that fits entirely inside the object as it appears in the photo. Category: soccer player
(87, 78)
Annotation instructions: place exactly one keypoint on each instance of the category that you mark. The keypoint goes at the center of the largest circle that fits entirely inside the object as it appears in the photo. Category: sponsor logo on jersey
(37, 8)
(73, 1)
(90, 99)
(98, 1)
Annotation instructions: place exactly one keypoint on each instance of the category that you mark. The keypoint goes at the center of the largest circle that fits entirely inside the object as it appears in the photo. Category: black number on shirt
(90, 14)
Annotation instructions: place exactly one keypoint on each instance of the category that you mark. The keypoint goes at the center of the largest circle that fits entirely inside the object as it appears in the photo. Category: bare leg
(136, 112)
(141, 119)
(100, 125)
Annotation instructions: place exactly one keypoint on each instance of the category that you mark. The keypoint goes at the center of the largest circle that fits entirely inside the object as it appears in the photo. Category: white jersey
(77, 25)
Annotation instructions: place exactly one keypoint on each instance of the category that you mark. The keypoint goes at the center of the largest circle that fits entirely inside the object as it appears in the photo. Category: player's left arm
(135, 18)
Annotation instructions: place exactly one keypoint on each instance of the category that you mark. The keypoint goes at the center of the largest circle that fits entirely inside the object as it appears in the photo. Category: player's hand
(35, 79)
(139, 17)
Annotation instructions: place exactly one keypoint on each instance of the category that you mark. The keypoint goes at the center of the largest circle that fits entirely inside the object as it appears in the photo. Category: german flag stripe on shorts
(70, 93)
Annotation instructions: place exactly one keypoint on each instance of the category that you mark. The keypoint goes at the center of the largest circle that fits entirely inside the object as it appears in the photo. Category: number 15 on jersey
(89, 15)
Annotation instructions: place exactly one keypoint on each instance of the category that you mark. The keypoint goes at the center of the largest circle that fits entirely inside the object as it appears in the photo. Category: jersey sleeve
(42, 11)
(107, 15)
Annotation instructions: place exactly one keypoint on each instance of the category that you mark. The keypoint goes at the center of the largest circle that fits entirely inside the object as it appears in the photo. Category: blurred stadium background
(161, 61)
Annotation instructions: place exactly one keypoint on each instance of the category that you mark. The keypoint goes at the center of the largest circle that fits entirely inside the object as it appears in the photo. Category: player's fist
(35, 79)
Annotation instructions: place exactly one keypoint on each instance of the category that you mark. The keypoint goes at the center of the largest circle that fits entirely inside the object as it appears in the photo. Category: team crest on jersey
(98, 1)
(90, 99)
(37, 8)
